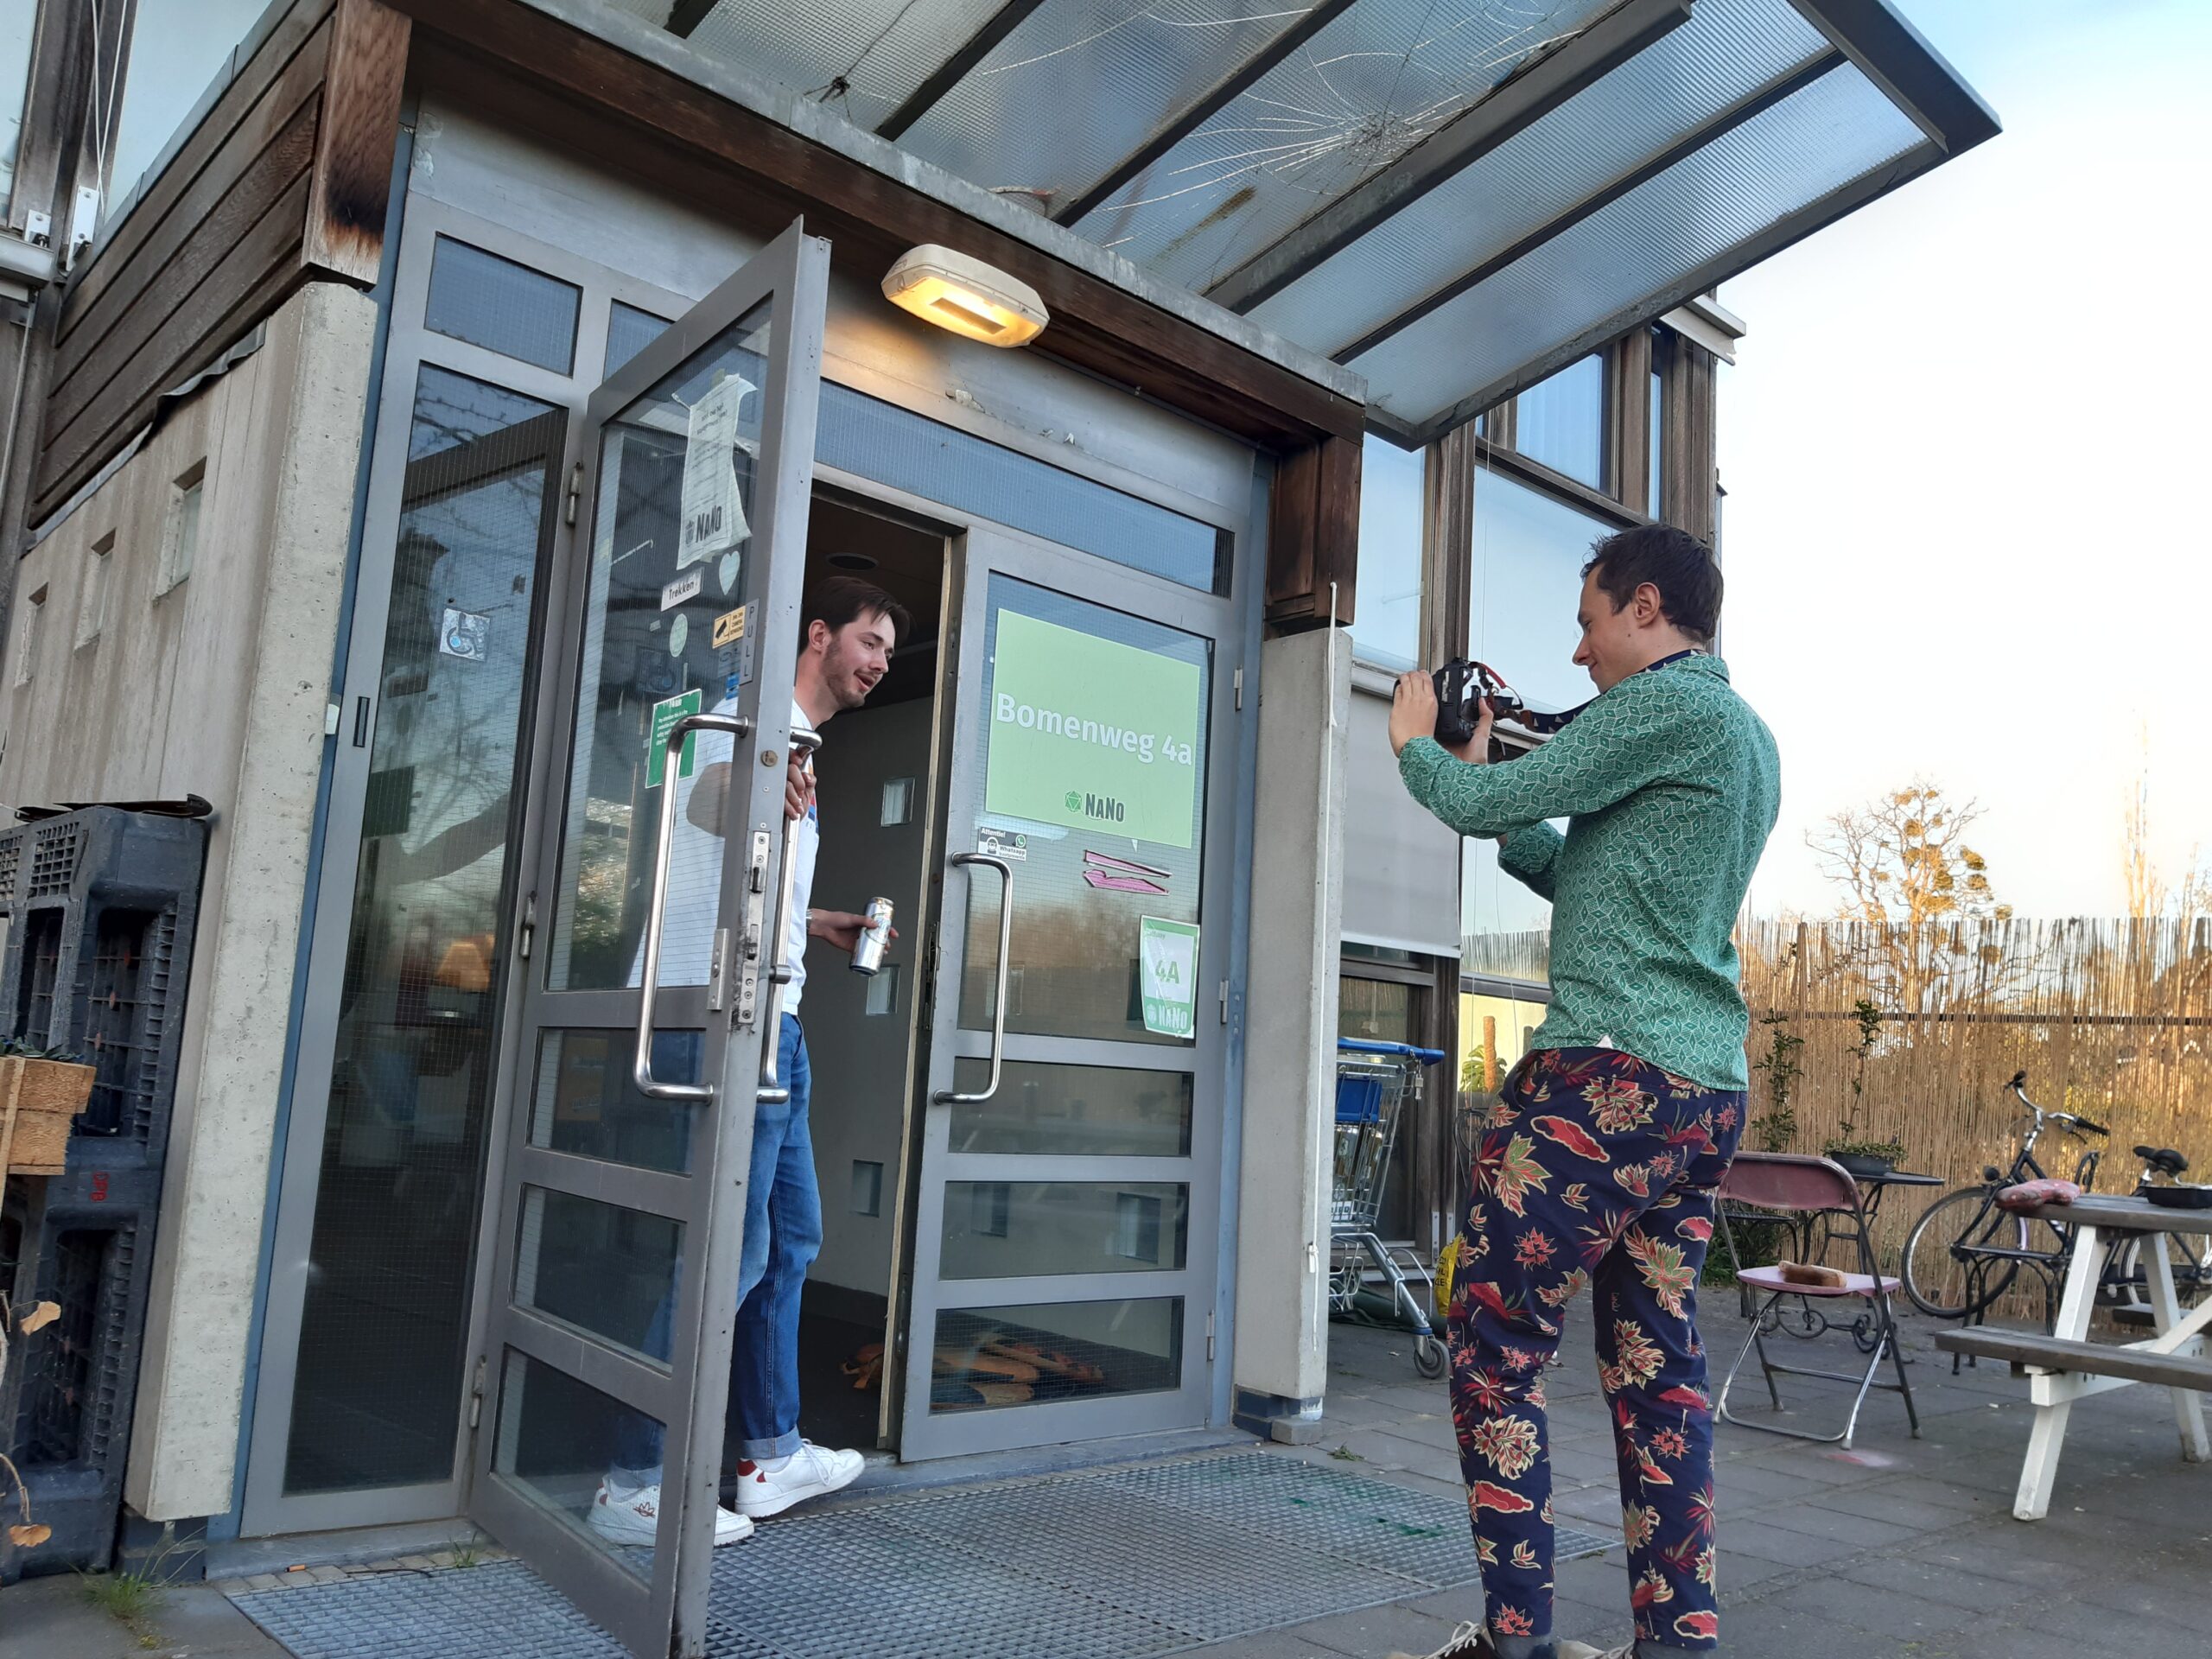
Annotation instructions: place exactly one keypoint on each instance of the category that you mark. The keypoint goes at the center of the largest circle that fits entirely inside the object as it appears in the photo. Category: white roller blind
(1401, 866)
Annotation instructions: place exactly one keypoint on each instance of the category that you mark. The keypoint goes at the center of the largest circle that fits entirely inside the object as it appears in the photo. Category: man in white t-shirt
(847, 633)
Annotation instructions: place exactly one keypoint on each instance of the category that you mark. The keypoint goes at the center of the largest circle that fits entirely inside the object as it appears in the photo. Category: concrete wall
(217, 688)
(1282, 1246)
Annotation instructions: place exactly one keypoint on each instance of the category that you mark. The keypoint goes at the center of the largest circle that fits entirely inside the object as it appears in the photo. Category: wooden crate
(39, 1100)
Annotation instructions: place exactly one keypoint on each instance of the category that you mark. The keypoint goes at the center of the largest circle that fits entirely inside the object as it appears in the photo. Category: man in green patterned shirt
(1603, 1156)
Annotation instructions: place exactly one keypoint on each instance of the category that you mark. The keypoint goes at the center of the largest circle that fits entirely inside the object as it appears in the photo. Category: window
(1386, 626)
(18, 26)
(180, 533)
(93, 600)
(629, 331)
(178, 49)
(502, 306)
(1561, 422)
(27, 636)
(1528, 552)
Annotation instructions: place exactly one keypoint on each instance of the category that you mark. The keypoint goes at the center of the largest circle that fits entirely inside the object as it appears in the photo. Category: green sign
(1090, 734)
(1167, 976)
(666, 713)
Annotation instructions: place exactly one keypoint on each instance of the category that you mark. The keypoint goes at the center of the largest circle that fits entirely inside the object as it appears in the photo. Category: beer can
(868, 953)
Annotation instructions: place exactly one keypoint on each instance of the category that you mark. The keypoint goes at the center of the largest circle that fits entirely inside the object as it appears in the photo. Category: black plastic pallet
(101, 906)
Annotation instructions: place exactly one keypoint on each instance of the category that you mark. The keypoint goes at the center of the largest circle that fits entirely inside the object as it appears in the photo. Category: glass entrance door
(1066, 1205)
(650, 934)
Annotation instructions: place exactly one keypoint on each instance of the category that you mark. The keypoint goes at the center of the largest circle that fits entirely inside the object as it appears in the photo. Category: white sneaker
(635, 1519)
(811, 1472)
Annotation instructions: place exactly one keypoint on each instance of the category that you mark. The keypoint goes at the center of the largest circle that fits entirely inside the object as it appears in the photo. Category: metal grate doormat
(1102, 1564)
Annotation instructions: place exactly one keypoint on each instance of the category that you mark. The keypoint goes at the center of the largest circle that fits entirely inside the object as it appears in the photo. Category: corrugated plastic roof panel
(1080, 85)
(1833, 132)
(1727, 53)
(1365, 90)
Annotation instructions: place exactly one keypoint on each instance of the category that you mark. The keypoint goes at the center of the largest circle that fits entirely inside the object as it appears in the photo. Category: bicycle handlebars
(2071, 1120)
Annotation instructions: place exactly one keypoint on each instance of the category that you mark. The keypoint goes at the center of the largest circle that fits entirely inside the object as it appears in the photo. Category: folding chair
(1799, 1185)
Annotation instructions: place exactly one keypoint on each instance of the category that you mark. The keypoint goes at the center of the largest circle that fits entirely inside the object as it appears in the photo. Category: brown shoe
(1468, 1641)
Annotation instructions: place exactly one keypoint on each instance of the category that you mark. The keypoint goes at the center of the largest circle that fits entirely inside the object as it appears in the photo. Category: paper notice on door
(1167, 976)
(713, 508)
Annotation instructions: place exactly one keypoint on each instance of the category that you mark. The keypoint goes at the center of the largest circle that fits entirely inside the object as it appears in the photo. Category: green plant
(1778, 1128)
(16, 1048)
(1890, 1151)
(1345, 1455)
(466, 1552)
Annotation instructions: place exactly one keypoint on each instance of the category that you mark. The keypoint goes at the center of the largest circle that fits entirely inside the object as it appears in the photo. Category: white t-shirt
(695, 879)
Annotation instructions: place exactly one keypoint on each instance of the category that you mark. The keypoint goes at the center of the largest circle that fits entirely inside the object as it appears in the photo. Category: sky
(1964, 447)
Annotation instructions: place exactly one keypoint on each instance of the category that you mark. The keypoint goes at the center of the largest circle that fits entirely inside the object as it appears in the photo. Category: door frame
(410, 347)
(266, 1509)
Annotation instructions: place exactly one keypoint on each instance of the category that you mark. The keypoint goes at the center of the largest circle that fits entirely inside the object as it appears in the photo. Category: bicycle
(1965, 1251)
(1984, 1256)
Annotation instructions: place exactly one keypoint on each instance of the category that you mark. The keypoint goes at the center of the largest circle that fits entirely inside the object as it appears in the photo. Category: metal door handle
(805, 742)
(950, 1097)
(641, 1062)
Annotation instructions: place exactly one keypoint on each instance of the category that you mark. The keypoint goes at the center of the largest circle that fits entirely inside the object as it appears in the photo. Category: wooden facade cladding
(286, 178)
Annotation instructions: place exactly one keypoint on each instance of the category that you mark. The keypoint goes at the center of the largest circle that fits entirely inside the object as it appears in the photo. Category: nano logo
(1075, 800)
(1103, 807)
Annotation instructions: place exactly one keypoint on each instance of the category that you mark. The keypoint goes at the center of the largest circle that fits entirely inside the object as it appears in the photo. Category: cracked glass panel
(1096, 77)
(1727, 52)
(1362, 91)
(865, 58)
(1833, 132)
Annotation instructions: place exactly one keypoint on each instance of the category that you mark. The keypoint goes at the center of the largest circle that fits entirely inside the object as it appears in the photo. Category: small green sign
(1168, 975)
(666, 713)
(1090, 733)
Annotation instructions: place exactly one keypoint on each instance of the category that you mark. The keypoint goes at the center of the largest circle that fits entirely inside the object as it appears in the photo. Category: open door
(652, 935)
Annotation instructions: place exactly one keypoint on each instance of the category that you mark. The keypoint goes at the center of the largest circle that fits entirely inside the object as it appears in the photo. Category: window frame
(179, 554)
(96, 592)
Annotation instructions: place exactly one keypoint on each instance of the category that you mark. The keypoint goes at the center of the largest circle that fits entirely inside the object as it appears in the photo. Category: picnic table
(2066, 1366)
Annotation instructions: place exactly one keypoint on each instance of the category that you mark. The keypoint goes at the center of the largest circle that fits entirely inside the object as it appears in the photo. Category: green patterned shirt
(1671, 784)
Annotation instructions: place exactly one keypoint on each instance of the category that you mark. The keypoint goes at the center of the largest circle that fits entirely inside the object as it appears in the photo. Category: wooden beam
(1688, 469)
(1098, 327)
(1313, 536)
(1447, 547)
(1629, 366)
(351, 186)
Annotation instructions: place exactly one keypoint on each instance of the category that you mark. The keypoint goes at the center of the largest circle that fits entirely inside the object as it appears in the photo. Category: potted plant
(1862, 1156)
(41, 1092)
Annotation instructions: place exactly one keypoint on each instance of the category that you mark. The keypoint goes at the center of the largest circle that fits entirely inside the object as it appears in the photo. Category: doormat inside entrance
(1149, 1559)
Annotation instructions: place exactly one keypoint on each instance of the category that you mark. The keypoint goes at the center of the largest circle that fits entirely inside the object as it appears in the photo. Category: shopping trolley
(1374, 1082)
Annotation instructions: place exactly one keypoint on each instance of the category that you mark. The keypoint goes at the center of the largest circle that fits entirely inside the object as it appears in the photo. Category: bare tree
(1917, 893)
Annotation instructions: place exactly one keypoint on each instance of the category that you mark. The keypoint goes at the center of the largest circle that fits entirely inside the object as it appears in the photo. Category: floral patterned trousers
(1595, 1170)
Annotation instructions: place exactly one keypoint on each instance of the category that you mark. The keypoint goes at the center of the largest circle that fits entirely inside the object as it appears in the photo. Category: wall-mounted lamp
(966, 295)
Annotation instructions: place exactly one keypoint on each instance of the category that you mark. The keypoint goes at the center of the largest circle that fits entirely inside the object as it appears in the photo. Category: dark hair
(840, 600)
(1674, 561)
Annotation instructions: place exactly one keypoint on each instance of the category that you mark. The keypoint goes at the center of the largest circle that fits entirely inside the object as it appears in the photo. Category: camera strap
(1545, 723)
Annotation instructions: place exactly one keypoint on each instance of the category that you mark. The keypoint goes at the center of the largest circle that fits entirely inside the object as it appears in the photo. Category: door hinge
(476, 1389)
(576, 493)
(1224, 1002)
(527, 933)
(1209, 1340)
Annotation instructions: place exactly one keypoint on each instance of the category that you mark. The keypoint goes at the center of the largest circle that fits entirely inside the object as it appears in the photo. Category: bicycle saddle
(2165, 1160)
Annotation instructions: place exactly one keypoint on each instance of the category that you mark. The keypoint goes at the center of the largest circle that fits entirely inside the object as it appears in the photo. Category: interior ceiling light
(966, 295)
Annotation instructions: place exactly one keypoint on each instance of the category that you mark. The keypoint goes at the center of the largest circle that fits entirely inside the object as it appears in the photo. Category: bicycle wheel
(2129, 1285)
(1937, 1253)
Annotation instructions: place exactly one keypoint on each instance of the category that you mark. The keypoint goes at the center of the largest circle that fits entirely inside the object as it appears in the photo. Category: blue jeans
(783, 1235)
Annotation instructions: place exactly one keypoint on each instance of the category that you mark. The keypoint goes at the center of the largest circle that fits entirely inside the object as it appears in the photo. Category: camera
(1462, 687)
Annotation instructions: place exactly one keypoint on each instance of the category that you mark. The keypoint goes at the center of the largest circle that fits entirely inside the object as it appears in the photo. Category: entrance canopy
(1454, 198)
